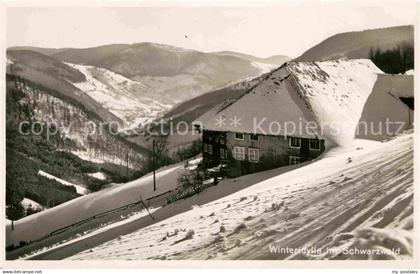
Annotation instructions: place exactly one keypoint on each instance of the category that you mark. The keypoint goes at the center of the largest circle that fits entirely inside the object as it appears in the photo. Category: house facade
(253, 152)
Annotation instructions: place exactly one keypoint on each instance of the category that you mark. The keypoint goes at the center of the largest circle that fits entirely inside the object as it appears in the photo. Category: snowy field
(358, 197)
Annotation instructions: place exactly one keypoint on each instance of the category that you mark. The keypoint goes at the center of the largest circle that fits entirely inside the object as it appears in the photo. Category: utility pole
(126, 170)
(409, 116)
(154, 166)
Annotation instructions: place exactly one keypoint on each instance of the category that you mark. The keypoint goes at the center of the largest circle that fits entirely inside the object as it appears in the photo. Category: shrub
(232, 172)
(15, 211)
(94, 184)
(240, 227)
(193, 180)
(23, 243)
(190, 234)
(30, 211)
(10, 247)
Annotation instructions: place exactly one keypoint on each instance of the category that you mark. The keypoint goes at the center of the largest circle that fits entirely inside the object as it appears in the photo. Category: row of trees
(394, 61)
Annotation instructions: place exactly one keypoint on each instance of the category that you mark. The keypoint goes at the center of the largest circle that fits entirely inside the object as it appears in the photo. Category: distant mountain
(274, 60)
(53, 74)
(355, 45)
(177, 74)
(45, 64)
(190, 110)
(46, 51)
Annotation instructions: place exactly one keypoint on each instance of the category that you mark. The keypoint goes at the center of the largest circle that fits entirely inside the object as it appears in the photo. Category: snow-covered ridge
(171, 48)
(79, 189)
(336, 92)
(127, 99)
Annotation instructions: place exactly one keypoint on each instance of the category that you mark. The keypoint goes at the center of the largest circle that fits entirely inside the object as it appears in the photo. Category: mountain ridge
(175, 73)
(356, 44)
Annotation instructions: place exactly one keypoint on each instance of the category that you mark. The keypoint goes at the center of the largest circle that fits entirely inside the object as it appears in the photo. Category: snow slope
(38, 225)
(79, 189)
(129, 100)
(358, 197)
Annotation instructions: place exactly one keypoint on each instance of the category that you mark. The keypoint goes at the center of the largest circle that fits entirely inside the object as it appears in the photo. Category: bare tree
(161, 149)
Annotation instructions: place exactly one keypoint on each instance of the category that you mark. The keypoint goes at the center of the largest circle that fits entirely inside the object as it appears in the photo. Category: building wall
(213, 138)
(274, 151)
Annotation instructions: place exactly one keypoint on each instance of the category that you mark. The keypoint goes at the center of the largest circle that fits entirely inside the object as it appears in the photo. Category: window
(239, 136)
(294, 142)
(208, 148)
(294, 160)
(239, 153)
(253, 155)
(223, 153)
(314, 144)
(222, 140)
(253, 137)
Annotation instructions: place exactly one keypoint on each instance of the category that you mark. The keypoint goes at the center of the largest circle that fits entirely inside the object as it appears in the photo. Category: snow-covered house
(293, 114)
(261, 129)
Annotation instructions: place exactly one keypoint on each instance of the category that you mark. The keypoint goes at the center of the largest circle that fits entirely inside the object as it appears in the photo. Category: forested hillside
(47, 132)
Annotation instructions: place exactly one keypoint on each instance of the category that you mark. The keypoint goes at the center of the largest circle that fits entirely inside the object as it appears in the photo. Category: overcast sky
(281, 28)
